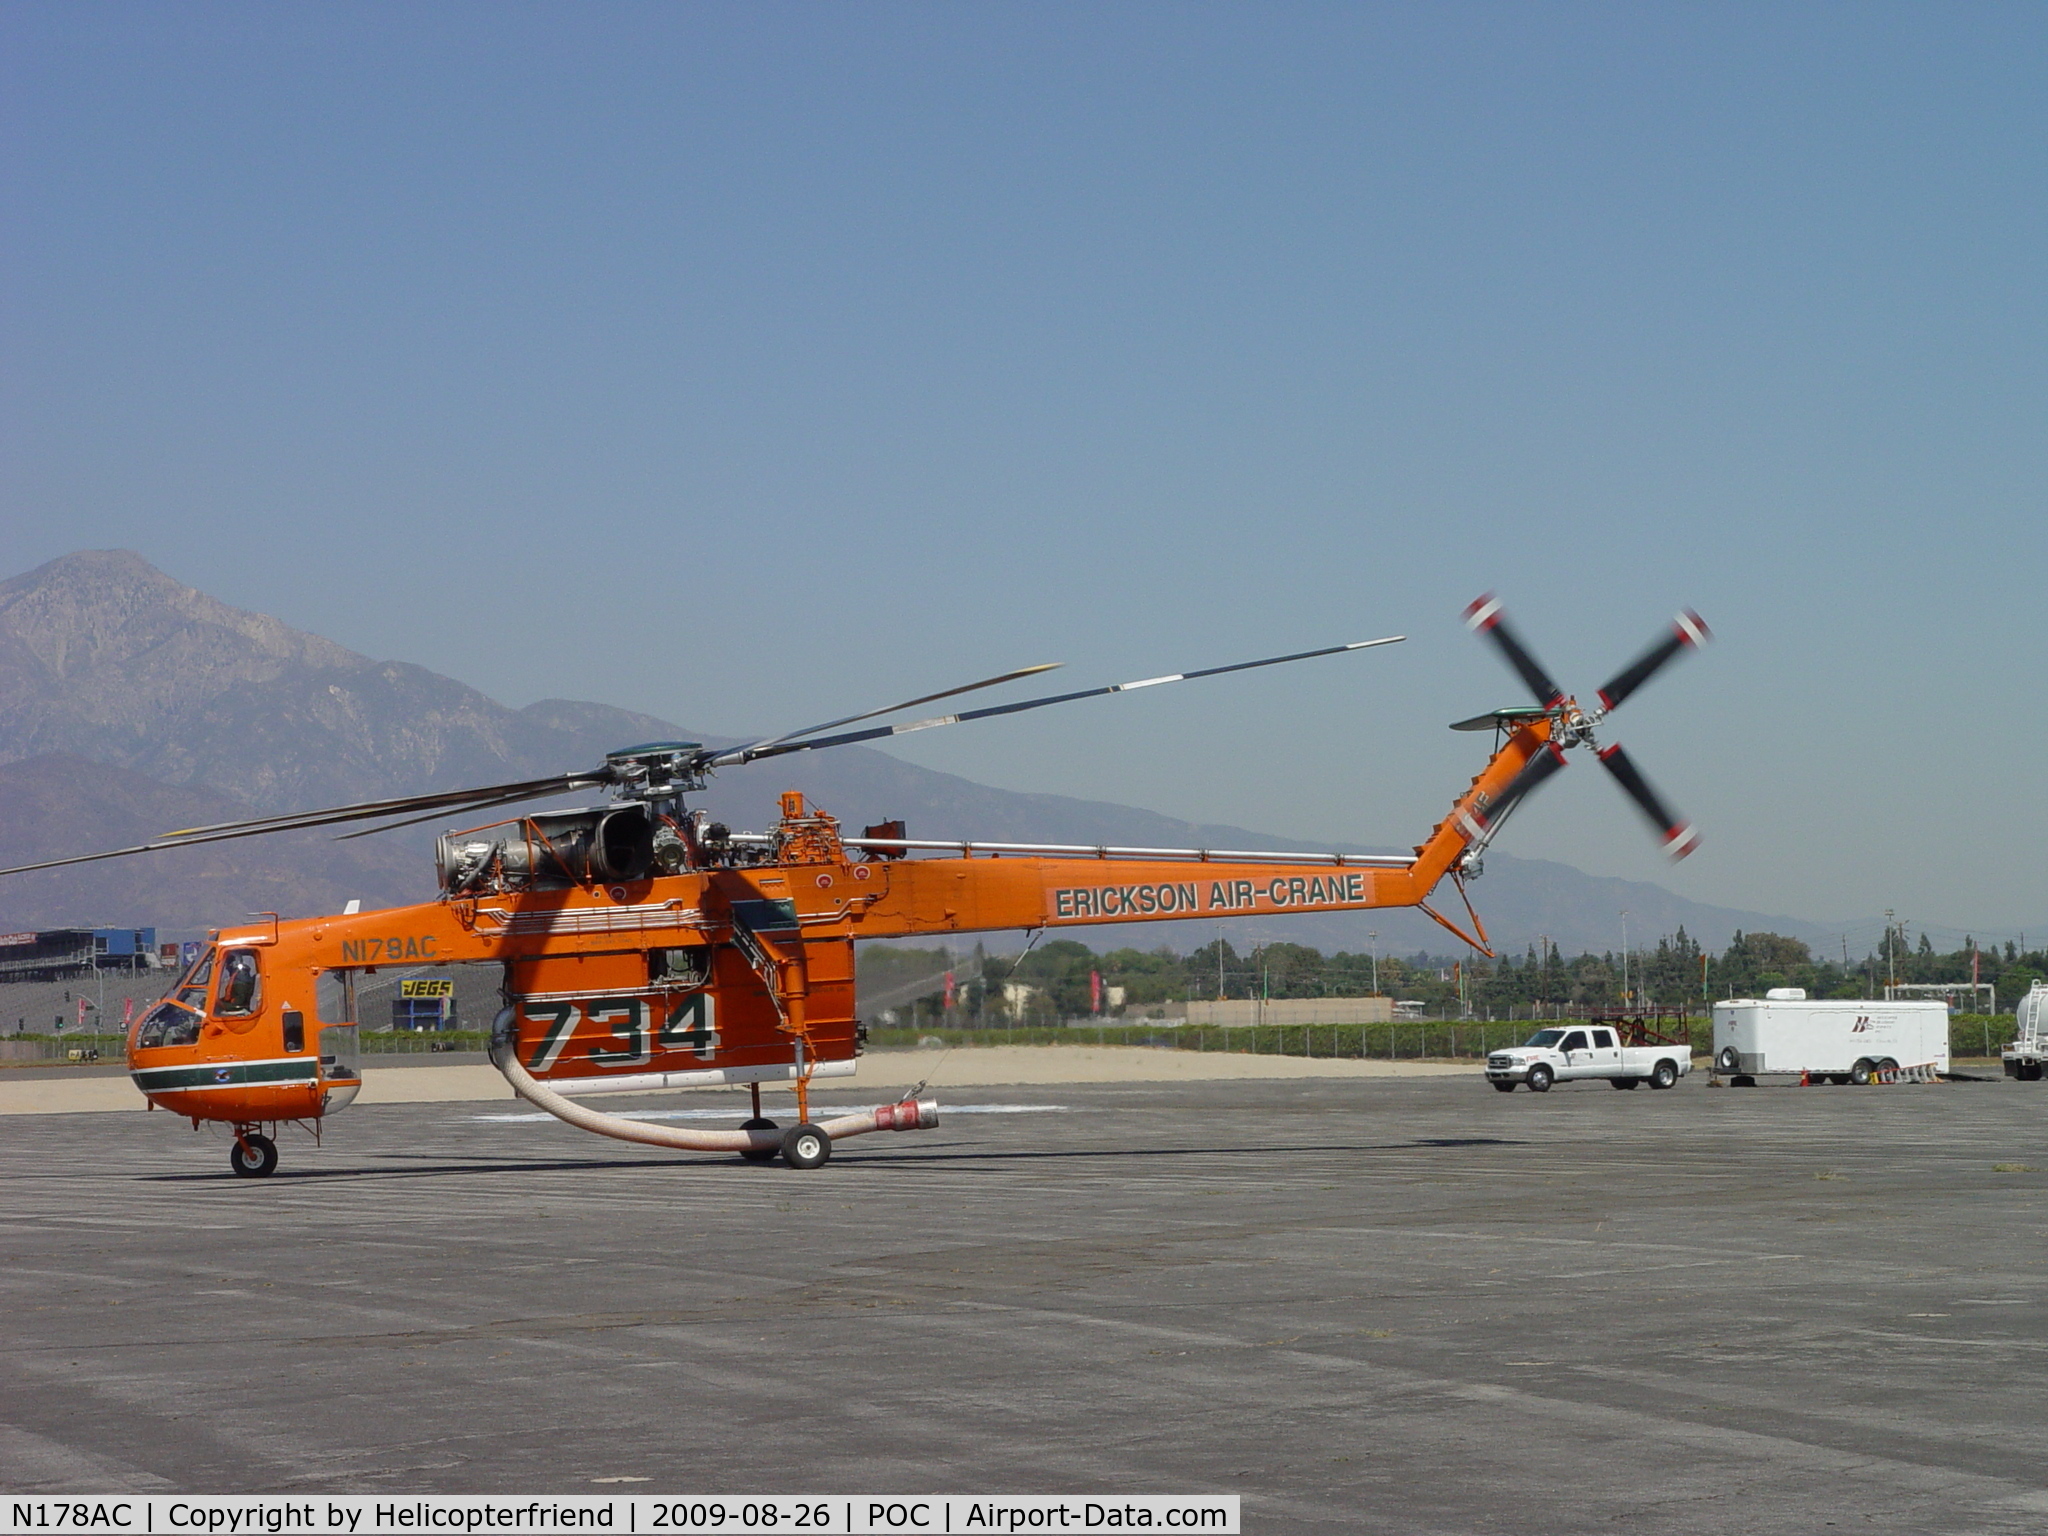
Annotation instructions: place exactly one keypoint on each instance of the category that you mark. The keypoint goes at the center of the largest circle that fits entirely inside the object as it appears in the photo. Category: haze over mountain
(131, 704)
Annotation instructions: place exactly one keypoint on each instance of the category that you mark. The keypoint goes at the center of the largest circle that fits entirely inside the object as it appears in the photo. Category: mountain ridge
(108, 662)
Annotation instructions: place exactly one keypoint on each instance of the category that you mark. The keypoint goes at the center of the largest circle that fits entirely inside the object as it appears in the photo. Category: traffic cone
(1805, 1078)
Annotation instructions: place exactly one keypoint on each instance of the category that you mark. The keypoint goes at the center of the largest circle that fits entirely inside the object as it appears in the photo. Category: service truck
(2027, 1056)
(1564, 1053)
(1827, 1040)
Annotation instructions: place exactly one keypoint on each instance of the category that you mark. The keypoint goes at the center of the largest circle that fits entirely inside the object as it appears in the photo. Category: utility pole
(1891, 964)
(1624, 957)
(1374, 935)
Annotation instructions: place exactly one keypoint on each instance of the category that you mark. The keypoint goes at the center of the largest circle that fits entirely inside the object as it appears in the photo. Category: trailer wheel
(1540, 1078)
(805, 1146)
(1860, 1073)
(1623, 1082)
(1728, 1058)
(1507, 1087)
(759, 1154)
(1664, 1074)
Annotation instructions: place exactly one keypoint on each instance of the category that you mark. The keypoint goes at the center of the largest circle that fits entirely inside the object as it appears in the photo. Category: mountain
(59, 805)
(131, 704)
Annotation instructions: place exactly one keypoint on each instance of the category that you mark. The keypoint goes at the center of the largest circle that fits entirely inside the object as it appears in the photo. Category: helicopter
(643, 946)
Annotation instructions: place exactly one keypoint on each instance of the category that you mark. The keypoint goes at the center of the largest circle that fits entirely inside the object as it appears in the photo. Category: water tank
(2032, 1012)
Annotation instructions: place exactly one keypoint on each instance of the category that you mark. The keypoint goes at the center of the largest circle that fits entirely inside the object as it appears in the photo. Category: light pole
(1374, 935)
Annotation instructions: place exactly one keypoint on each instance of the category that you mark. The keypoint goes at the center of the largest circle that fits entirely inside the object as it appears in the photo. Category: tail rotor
(1573, 726)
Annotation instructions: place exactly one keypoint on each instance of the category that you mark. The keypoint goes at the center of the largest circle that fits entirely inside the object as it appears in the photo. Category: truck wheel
(1664, 1074)
(1504, 1087)
(1540, 1078)
(1860, 1073)
(1623, 1082)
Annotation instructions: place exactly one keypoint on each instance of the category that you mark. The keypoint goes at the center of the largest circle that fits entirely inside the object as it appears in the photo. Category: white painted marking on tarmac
(727, 1114)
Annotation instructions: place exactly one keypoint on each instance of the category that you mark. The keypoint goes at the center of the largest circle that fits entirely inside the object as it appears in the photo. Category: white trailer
(2027, 1057)
(1841, 1041)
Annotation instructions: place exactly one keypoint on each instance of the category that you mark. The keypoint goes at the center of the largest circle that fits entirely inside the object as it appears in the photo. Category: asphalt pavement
(1401, 1305)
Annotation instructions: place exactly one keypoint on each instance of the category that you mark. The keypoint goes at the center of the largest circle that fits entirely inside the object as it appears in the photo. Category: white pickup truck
(1564, 1053)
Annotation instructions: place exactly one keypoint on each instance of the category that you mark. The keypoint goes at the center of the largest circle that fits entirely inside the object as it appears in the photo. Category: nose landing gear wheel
(805, 1146)
(253, 1156)
(759, 1154)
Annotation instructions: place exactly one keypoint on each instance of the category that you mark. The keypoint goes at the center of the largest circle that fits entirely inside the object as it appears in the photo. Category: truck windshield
(1544, 1038)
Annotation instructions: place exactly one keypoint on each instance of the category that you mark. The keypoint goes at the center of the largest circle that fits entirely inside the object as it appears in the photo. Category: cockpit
(176, 1020)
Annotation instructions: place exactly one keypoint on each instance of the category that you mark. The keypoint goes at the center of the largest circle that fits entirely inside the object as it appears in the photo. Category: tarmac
(1397, 1303)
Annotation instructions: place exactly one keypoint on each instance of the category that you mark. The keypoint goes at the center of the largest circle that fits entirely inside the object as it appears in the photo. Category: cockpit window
(192, 990)
(167, 1024)
(239, 991)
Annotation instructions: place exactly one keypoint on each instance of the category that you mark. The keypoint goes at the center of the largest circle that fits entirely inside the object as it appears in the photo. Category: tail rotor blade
(1484, 616)
(1535, 773)
(1688, 632)
(1678, 835)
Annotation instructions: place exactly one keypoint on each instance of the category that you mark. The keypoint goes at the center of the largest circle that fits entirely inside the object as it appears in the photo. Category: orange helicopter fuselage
(741, 972)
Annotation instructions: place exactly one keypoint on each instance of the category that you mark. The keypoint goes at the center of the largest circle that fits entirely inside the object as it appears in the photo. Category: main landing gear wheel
(805, 1146)
(253, 1156)
(1539, 1078)
(759, 1154)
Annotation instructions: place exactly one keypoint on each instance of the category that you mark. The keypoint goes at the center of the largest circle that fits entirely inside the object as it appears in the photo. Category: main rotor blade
(364, 809)
(1535, 773)
(1678, 835)
(744, 754)
(1484, 616)
(192, 837)
(875, 733)
(466, 807)
(1688, 632)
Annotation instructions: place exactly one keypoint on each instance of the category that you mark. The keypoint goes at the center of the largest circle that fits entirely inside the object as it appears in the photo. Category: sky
(752, 364)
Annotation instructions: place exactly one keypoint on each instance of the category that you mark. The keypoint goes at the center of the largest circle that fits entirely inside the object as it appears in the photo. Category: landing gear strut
(758, 1123)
